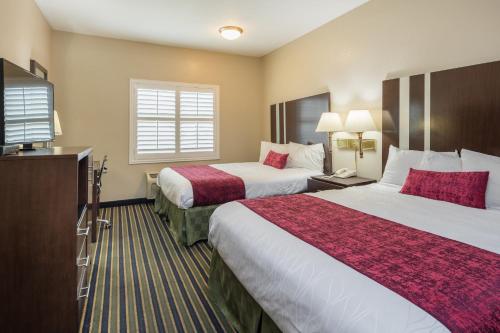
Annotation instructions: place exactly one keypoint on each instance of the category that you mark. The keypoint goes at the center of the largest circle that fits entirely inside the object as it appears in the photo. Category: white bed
(260, 181)
(305, 290)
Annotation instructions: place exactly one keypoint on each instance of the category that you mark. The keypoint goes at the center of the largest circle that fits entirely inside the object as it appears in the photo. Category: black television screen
(26, 106)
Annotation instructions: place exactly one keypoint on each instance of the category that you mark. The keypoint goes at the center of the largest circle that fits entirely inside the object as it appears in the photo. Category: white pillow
(474, 161)
(399, 163)
(265, 147)
(306, 156)
(435, 161)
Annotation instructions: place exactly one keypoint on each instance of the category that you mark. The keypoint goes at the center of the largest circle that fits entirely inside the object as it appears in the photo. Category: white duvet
(260, 181)
(305, 290)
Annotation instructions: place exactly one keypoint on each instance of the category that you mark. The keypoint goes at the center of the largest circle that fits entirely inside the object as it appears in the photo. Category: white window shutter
(173, 122)
(155, 121)
(197, 121)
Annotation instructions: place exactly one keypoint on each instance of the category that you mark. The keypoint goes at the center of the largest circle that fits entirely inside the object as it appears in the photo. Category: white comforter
(260, 181)
(305, 290)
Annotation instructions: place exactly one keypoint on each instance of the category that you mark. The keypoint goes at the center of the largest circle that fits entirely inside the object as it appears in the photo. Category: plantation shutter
(172, 122)
(27, 116)
(155, 121)
(197, 121)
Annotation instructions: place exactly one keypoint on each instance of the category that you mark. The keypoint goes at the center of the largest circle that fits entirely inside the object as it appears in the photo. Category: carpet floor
(143, 281)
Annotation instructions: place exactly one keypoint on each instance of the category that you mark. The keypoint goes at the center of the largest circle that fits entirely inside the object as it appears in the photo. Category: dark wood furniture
(297, 120)
(462, 110)
(322, 183)
(43, 237)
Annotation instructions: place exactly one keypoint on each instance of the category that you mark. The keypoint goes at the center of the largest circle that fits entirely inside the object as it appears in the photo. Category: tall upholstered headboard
(297, 120)
(443, 111)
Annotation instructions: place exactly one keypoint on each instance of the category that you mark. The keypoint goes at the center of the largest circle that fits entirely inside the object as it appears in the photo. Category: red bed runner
(456, 283)
(212, 186)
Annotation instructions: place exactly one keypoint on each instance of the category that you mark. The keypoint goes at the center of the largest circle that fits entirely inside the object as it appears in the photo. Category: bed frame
(296, 121)
(443, 111)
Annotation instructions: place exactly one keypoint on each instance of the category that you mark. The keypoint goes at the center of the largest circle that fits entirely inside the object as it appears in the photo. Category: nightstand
(322, 183)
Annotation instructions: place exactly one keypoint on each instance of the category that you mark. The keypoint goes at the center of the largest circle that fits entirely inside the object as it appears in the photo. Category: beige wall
(92, 76)
(351, 55)
(24, 33)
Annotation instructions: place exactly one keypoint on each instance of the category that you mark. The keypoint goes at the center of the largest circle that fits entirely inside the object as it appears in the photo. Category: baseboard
(117, 203)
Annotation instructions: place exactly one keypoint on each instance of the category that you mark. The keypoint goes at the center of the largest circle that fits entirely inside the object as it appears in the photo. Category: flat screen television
(26, 107)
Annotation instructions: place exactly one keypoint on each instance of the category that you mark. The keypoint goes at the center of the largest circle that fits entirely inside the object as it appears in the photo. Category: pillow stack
(471, 180)
(400, 162)
(299, 156)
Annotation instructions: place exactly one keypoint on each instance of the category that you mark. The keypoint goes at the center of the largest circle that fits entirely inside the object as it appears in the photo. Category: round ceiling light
(230, 32)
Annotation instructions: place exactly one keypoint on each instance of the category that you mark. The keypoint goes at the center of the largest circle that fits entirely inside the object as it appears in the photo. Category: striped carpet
(143, 281)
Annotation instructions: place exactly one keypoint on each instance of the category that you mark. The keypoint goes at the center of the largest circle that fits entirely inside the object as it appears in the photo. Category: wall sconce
(359, 121)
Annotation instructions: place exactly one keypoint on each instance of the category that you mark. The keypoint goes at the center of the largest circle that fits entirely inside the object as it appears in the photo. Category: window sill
(173, 160)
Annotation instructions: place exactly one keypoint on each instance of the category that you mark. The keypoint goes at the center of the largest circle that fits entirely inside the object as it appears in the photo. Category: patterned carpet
(143, 281)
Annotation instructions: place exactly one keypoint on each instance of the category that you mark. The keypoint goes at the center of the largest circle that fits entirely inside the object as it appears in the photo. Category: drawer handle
(83, 262)
(83, 292)
(82, 231)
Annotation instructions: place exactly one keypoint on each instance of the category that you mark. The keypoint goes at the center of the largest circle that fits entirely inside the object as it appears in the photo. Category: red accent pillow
(276, 160)
(463, 188)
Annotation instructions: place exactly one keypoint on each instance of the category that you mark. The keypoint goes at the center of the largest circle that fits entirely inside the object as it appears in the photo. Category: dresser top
(55, 152)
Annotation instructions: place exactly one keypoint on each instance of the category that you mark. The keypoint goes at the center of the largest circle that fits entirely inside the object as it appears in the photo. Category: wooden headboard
(297, 120)
(443, 111)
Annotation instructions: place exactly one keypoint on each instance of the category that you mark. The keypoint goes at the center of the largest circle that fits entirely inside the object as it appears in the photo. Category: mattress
(260, 181)
(305, 290)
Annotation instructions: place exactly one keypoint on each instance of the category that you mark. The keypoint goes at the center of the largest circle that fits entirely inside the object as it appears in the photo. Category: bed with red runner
(212, 186)
(189, 194)
(456, 283)
(315, 264)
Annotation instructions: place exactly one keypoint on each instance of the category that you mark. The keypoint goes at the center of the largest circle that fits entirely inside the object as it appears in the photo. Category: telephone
(344, 173)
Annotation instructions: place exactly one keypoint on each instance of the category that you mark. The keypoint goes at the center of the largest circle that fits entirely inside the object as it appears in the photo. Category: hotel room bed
(300, 288)
(260, 181)
(189, 222)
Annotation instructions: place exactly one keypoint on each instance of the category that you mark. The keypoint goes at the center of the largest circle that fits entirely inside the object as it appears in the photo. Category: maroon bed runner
(212, 186)
(456, 283)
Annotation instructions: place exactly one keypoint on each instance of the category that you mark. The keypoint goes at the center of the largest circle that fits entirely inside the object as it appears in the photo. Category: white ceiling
(268, 24)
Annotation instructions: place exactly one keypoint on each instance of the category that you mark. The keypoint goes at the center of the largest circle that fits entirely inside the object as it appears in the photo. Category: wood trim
(465, 109)
(273, 123)
(126, 202)
(281, 110)
(417, 112)
(390, 117)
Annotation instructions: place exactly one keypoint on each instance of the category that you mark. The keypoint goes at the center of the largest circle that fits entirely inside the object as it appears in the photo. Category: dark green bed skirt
(242, 311)
(188, 225)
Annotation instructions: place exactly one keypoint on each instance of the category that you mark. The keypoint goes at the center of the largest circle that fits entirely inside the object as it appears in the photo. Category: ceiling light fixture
(230, 32)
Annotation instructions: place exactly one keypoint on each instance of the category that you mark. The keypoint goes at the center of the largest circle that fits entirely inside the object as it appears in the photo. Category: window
(172, 121)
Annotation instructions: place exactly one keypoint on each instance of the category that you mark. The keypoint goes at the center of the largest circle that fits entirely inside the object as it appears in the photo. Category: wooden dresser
(43, 239)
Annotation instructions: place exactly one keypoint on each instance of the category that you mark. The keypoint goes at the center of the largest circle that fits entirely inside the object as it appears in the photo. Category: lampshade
(359, 121)
(57, 124)
(329, 122)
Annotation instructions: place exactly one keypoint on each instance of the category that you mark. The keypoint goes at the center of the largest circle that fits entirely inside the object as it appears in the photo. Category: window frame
(177, 156)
